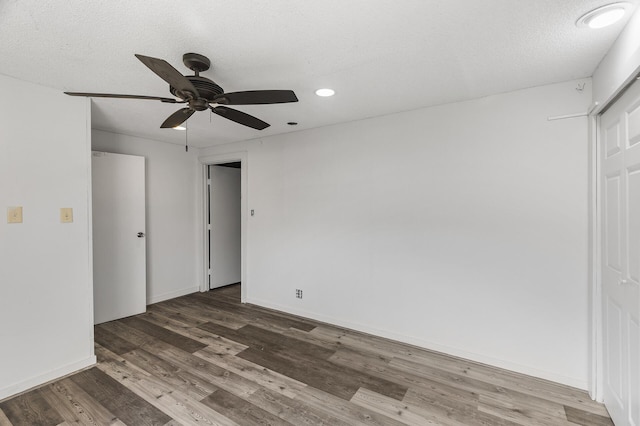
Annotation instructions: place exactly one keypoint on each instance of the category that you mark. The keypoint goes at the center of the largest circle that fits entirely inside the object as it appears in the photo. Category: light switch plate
(66, 215)
(14, 214)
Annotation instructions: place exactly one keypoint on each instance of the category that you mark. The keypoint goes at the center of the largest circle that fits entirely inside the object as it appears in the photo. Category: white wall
(46, 308)
(461, 228)
(173, 179)
(225, 226)
(621, 62)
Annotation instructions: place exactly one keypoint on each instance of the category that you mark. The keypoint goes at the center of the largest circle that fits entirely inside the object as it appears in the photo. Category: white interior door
(620, 205)
(225, 246)
(119, 250)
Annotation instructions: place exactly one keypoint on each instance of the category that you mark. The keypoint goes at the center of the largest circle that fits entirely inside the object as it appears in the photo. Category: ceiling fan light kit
(201, 93)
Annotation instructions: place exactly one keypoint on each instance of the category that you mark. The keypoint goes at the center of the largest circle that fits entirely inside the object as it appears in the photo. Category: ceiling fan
(201, 93)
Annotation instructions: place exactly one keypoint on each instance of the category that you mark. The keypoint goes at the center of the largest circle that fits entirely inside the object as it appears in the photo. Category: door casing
(242, 157)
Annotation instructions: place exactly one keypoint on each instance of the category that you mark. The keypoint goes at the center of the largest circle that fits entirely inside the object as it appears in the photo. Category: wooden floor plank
(163, 396)
(303, 361)
(346, 411)
(137, 337)
(177, 315)
(157, 318)
(126, 405)
(425, 359)
(90, 411)
(205, 370)
(4, 420)
(231, 292)
(398, 410)
(293, 410)
(258, 374)
(209, 339)
(241, 411)
(505, 379)
(534, 407)
(112, 341)
(185, 381)
(516, 413)
(205, 358)
(450, 404)
(495, 400)
(66, 410)
(314, 375)
(340, 380)
(266, 340)
(582, 417)
(462, 395)
(194, 308)
(163, 334)
(257, 315)
(31, 409)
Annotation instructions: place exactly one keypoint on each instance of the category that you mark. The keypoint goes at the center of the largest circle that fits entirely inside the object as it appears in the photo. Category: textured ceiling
(380, 56)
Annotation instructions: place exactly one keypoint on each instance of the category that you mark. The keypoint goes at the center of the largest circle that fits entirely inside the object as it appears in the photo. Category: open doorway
(224, 224)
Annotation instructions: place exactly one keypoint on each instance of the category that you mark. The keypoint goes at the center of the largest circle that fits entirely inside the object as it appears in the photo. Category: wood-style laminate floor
(206, 359)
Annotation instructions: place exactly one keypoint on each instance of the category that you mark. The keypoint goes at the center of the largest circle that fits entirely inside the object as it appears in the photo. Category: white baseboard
(171, 294)
(461, 353)
(41, 379)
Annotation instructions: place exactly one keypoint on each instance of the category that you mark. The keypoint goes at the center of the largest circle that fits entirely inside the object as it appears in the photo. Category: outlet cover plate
(66, 215)
(14, 214)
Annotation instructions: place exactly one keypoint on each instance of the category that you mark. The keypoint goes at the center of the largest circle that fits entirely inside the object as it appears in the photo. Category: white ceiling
(380, 56)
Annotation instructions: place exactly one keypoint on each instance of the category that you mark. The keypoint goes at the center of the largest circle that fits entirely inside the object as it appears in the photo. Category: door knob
(140, 234)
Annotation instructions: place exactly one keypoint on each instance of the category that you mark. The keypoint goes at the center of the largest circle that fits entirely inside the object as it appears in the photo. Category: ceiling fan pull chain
(186, 136)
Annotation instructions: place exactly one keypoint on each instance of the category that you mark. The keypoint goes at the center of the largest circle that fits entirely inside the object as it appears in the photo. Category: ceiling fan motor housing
(207, 89)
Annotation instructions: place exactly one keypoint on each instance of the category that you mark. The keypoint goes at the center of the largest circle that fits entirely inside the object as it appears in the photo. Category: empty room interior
(419, 212)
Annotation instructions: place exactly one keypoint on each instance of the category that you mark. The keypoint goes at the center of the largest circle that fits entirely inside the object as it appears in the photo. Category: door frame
(208, 160)
(596, 344)
(596, 376)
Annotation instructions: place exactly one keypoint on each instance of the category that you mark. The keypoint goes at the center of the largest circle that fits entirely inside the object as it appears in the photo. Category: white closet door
(620, 189)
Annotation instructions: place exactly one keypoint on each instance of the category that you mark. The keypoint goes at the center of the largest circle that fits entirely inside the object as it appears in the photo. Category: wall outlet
(298, 293)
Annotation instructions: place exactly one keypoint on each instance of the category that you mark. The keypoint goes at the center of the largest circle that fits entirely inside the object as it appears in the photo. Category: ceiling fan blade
(111, 95)
(165, 71)
(177, 118)
(240, 117)
(256, 97)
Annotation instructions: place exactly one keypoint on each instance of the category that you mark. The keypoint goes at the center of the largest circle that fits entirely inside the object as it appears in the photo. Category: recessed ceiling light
(604, 15)
(179, 127)
(325, 92)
